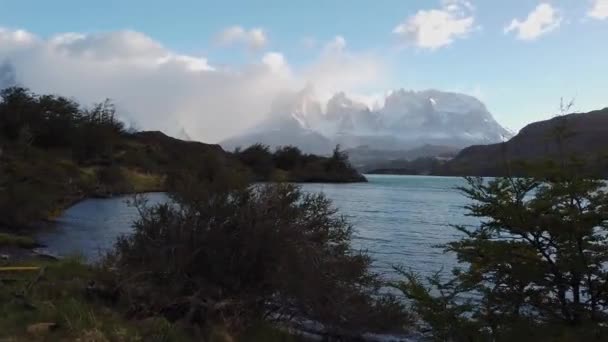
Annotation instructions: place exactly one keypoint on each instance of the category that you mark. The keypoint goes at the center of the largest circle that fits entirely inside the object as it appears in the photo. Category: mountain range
(405, 120)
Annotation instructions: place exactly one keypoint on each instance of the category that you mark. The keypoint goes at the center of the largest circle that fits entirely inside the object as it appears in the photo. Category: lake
(397, 219)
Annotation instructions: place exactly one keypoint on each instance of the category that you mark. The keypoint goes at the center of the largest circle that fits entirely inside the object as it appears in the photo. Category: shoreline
(7, 252)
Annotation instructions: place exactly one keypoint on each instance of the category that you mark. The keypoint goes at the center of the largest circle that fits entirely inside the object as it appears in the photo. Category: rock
(41, 329)
(5, 256)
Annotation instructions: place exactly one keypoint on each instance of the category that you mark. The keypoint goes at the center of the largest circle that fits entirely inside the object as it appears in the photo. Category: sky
(214, 68)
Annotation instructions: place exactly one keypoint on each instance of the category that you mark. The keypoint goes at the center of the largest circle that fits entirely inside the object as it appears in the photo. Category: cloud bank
(160, 89)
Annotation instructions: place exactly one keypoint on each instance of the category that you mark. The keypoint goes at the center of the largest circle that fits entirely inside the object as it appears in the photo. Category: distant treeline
(289, 163)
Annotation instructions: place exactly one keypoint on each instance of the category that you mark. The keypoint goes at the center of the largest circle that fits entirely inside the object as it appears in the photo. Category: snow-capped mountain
(407, 119)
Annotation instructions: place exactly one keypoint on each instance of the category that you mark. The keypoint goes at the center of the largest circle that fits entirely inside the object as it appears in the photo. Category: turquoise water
(397, 219)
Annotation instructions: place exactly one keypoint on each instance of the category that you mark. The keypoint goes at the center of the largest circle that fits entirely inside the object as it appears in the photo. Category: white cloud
(254, 38)
(160, 89)
(338, 69)
(599, 10)
(542, 20)
(436, 28)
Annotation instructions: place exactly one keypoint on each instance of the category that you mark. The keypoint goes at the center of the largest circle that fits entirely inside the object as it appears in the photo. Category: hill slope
(585, 135)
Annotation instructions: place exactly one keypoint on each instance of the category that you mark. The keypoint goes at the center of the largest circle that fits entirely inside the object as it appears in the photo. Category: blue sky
(554, 48)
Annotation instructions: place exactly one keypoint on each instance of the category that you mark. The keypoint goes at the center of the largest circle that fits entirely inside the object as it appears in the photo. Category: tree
(98, 134)
(18, 112)
(259, 159)
(61, 119)
(338, 157)
(534, 268)
(287, 157)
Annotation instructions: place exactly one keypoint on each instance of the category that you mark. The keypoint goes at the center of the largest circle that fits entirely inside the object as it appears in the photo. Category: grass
(266, 332)
(11, 240)
(135, 181)
(144, 182)
(56, 294)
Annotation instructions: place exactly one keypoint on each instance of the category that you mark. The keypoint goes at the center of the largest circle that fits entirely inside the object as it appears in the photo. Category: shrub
(232, 254)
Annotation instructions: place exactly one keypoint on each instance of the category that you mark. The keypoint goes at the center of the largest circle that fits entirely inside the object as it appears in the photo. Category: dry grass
(144, 182)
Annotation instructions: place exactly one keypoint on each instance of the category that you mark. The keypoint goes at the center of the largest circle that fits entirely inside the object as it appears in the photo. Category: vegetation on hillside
(54, 152)
(288, 163)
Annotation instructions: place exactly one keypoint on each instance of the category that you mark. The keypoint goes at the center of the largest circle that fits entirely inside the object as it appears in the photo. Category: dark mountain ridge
(581, 135)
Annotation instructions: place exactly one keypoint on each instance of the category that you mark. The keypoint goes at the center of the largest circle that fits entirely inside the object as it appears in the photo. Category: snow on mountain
(408, 119)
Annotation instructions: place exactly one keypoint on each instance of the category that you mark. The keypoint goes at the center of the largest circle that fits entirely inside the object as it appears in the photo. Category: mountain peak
(408, 119)
(340, 104)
